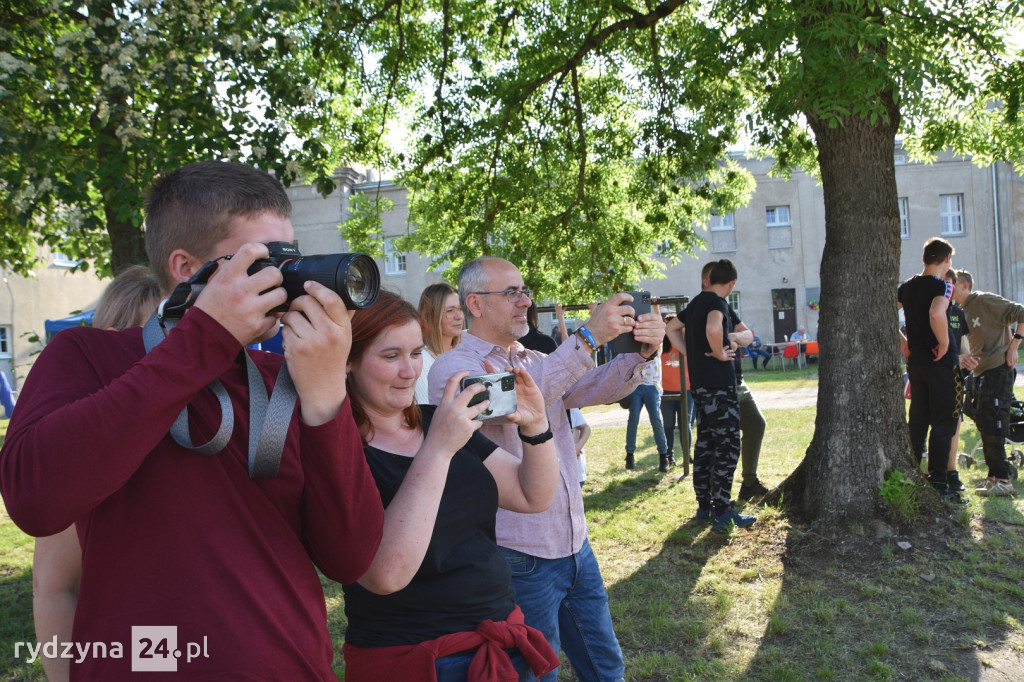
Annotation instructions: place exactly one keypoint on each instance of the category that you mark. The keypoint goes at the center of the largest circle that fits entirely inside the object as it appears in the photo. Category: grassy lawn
(775, 603)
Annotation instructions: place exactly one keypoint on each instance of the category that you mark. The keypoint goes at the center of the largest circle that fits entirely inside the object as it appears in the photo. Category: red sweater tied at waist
(490, 663)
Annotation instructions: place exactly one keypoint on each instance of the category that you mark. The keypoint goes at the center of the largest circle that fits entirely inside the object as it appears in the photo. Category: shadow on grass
(948, 608)
(660, 628)
(15, 602)
(626, 487)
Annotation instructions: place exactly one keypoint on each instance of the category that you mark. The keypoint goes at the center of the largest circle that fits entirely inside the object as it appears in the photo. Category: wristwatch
(1018, 336)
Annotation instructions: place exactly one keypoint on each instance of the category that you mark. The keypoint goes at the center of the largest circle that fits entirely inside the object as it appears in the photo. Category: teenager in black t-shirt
(709, 358)
(935, 388)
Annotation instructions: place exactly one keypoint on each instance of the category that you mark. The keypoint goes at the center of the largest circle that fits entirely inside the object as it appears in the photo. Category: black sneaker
(630, 463)
(752, 490)
(953, 482)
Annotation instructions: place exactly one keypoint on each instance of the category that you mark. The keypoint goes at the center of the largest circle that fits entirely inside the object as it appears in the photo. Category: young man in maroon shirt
(220, 563)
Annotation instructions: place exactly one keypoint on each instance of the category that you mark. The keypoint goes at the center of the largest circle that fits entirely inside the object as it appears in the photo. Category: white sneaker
(999, 488)
(982, 488)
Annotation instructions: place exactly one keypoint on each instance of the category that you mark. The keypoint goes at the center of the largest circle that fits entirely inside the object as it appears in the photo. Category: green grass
(774, 603)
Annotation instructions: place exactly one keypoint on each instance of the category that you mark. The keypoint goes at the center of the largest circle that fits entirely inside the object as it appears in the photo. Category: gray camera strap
(269, 417)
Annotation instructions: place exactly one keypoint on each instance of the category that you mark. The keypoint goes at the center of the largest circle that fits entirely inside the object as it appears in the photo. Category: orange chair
(811, 350)
(791, 351)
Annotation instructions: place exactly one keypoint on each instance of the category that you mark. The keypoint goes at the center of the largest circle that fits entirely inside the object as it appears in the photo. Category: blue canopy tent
(80, 320)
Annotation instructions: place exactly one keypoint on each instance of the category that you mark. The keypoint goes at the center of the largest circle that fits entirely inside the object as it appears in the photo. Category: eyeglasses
(452, 312)
(512, 295)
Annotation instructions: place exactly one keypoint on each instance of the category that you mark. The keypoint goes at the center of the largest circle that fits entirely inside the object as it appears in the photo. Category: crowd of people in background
(459, 536)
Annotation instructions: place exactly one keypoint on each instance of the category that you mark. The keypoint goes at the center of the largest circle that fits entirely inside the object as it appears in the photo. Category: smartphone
(625, 343)
(501, 391)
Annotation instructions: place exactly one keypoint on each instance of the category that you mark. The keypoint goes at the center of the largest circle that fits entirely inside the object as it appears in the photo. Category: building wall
(26, 303)
(317, 221)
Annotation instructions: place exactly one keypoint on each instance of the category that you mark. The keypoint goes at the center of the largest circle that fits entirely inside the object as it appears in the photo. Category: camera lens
(362, 281)
(353, 276)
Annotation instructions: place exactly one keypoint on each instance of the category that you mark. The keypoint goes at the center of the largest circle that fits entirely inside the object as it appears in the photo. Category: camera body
(625, 343)
(501, 391)
(353, 276)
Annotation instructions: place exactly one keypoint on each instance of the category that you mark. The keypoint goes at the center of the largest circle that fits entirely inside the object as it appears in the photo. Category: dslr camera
(501, 391)
(353, 276)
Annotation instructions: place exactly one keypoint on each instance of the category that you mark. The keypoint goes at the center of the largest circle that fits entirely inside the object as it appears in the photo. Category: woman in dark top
(438, 593)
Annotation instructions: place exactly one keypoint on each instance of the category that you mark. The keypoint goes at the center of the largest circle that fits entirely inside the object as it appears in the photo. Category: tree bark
(127, 244)
(860, 430)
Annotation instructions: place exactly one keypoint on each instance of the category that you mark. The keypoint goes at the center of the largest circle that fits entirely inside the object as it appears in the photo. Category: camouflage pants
(995, 390)
(717, 448)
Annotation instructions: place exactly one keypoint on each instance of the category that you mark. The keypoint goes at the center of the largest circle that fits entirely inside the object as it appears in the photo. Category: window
(62, 261)
(5, 341)
(723, 232)
(780, 234)
(394, 260)
(951, 214)
(734, 303)
(904, 217)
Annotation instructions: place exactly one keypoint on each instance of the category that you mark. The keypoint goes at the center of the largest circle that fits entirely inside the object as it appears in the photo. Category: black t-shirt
(707, 372)
(462, 581)
(535, 340)
(737, 363)
(916, 295)
(957, 328)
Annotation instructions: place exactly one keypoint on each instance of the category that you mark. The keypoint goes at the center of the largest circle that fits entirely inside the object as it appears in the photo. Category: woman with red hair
(438, 596)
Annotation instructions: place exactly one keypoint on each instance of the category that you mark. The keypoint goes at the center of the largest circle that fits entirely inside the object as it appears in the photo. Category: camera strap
(269, 416)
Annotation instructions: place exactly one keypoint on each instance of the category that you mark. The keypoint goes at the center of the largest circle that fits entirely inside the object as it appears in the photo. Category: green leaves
(102, 96)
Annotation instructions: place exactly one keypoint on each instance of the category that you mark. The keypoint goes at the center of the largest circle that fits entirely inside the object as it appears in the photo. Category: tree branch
(591, 43)
(565, 215)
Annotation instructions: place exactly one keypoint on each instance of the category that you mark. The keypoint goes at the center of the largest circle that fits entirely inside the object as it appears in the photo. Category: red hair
(390, 310)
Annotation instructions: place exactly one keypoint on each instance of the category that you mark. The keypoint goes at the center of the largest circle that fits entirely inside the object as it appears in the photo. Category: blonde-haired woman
(441, 319)
(128, 301)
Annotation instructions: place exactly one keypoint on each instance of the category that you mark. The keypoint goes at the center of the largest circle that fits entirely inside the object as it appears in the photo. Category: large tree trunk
(127, 243)
(860, 430)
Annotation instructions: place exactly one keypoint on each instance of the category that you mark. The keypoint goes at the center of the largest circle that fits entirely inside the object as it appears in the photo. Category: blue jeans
(565, 599)
(456, 668)
(649, 397)
(671, 415)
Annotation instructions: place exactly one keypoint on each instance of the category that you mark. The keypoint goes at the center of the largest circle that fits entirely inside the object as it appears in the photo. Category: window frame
(946, 216)
(776, 224)
(395, 262)
(722, 224)
(734, 302)
(903, 205)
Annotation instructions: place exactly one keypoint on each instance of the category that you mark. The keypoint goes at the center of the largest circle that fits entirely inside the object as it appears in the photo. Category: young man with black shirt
(935, 389)
(709, 358)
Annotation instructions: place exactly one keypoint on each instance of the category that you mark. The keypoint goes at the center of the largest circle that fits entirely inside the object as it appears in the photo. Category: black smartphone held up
(501, 391)
(625, 343)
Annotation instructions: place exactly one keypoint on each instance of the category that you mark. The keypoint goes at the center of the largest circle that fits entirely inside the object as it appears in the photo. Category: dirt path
(613, 415)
